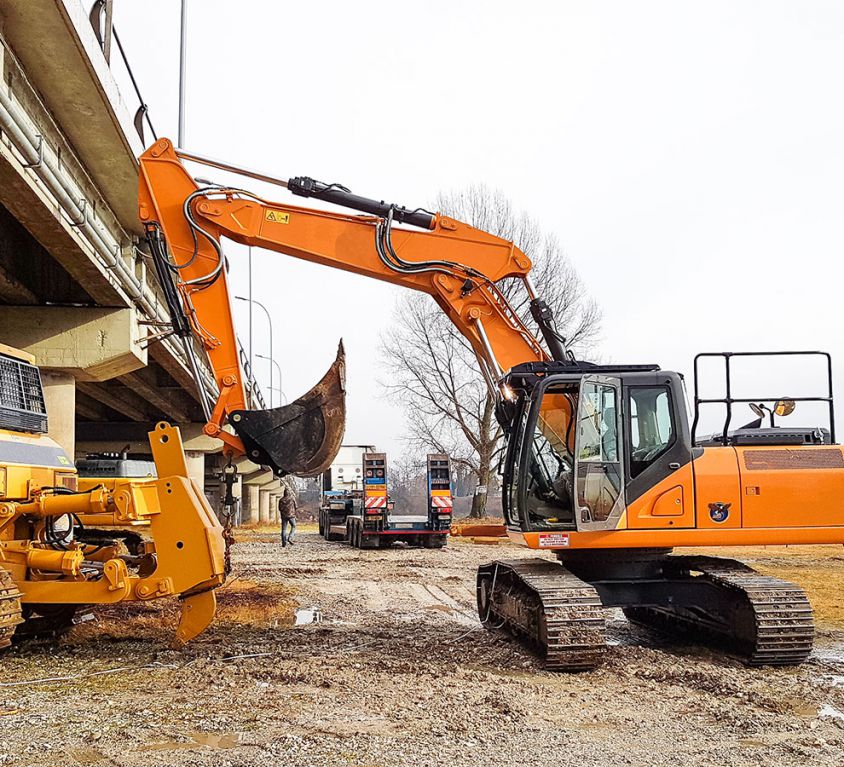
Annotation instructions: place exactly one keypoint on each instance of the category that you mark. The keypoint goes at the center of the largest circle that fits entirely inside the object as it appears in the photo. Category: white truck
(340, 485)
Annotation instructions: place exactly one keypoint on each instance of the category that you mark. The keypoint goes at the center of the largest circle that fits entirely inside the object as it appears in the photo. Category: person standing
(287, 514)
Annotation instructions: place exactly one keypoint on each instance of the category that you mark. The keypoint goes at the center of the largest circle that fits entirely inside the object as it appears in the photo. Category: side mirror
(757, 410)
(784, 406)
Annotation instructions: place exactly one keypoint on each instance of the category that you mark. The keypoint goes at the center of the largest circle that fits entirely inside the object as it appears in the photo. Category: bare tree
(406, 480)
(431, 369)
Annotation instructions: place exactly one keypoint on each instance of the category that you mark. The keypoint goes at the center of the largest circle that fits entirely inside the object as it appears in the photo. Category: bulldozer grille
(22, 405)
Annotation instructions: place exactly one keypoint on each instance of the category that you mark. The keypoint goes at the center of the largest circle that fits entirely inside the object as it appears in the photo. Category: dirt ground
(399, 672)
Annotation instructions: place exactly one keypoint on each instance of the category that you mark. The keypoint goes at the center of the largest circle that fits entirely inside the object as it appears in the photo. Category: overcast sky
(688, 155)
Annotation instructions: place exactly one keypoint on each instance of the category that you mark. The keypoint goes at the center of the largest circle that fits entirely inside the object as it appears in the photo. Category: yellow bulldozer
(117, 541)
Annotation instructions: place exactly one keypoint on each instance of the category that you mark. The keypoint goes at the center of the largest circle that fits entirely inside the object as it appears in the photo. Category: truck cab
(341, 485)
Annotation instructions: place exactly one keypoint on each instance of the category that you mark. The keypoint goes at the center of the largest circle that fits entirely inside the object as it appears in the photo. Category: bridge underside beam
(92, 344)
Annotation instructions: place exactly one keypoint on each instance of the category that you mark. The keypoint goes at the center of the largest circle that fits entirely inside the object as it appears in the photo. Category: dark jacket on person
(287, 507)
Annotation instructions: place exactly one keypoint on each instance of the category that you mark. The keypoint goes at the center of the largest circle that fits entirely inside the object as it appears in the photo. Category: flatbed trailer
(373, 523)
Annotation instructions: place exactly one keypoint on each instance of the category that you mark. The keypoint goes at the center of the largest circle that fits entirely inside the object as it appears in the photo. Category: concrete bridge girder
(92, 344)
(68, 183)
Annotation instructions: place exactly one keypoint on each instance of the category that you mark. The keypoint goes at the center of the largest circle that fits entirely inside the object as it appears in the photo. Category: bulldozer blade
(197, 613)
(303, 437)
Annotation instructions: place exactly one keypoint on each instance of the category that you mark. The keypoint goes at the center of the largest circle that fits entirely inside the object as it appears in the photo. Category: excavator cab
(585, 442)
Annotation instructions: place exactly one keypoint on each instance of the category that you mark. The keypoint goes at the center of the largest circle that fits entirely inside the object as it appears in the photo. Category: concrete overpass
(76, 286)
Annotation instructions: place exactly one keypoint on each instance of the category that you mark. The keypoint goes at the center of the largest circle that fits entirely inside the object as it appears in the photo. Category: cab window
(652, 427)
(598, 462)
(547, 479)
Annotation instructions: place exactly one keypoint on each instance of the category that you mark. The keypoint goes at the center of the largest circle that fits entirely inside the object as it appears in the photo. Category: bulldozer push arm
(47, 552)
(456, 264)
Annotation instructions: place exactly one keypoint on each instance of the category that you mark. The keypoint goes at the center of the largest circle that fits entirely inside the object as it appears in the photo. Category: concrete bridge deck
(77, 288)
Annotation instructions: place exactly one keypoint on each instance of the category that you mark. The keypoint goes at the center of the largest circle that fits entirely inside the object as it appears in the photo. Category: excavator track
(10, 608)
(548, 607)
(764, 620)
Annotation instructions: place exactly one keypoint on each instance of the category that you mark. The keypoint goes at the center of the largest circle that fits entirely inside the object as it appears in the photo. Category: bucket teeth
(303, 437)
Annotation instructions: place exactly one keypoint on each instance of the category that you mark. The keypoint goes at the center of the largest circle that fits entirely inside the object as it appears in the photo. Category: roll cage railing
(729, 400)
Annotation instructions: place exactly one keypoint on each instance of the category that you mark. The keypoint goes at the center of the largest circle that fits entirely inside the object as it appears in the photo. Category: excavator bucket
(303, 437)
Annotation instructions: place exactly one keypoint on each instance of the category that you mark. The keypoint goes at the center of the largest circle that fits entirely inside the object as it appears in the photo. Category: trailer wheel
(321, 523)
(329, 536)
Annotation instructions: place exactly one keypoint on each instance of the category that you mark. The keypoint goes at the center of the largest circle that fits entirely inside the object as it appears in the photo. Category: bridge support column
(249, 504)
(196, 468)
(60, 399)
(264, 507)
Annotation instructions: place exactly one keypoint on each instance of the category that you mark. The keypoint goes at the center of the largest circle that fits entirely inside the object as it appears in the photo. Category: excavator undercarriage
(557, 608)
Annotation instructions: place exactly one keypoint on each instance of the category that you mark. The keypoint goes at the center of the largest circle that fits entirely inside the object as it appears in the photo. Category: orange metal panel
(722, 536)
(716, 476)
(792, 486)
(668, 504)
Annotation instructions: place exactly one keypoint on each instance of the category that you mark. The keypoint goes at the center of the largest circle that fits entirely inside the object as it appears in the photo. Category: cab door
(598, 474)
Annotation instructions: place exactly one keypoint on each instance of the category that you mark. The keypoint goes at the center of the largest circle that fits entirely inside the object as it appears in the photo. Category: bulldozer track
(547, 606)
(767, 621)
(11, 615)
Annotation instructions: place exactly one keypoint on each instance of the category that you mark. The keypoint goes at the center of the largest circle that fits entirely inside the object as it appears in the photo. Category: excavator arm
(458, 265)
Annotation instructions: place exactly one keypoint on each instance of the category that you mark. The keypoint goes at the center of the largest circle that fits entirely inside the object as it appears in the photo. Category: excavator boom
(457, 265)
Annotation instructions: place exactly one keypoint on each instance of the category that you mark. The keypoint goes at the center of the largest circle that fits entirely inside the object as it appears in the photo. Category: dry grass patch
(245, 602)
(239, 603)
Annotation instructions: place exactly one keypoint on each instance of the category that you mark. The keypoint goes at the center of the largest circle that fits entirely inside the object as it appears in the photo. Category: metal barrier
(729, 400)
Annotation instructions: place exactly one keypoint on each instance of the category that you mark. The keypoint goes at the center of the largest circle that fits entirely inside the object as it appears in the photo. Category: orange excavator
(602, 468)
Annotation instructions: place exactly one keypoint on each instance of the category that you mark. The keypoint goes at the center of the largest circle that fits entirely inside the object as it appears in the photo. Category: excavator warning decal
(552, 540)
(277, 216)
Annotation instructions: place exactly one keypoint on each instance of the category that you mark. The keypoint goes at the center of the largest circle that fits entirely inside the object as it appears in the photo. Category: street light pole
(182, 59)
(278, 368)
(270, 322)
(251, 361)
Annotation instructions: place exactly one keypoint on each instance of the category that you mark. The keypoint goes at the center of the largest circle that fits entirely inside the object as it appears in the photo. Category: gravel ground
(398, 673)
